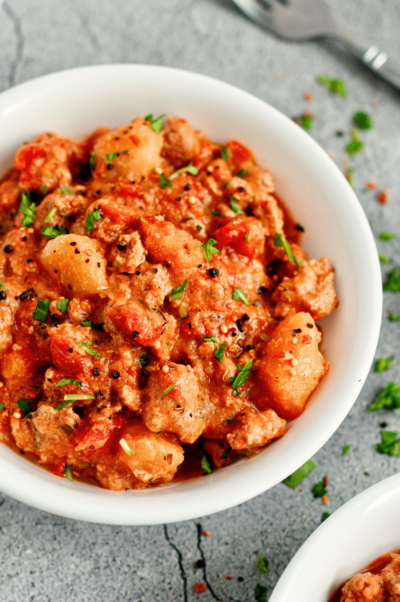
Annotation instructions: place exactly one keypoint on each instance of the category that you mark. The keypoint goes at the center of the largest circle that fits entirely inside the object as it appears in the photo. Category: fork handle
(374, 58)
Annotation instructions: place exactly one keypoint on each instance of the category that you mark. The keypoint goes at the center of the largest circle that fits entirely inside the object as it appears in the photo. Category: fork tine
(259, 13)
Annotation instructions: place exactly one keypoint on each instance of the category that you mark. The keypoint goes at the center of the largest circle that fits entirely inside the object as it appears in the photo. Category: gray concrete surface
(45, 558)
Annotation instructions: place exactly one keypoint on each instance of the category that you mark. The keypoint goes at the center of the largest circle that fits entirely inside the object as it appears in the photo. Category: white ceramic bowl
(76, 102)
(362, 530)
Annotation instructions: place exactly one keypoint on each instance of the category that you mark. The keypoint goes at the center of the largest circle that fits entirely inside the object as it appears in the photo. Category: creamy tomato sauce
(155, 305)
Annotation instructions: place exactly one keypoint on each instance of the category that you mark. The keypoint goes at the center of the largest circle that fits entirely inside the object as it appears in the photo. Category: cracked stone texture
(46, 558)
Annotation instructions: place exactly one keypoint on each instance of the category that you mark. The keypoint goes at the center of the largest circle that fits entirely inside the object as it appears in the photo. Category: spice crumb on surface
(199, 587)
(325, 500)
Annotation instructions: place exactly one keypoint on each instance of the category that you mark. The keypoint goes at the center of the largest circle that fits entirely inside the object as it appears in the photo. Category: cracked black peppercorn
(262, 290)
(3, 295)
(135, 334)
(213, 272)
(8, 249)
(115, 374)
(96, 371)
(121, 246)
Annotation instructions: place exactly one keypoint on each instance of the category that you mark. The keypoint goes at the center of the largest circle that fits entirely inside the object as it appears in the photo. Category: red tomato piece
(244, 234)
(145, 325)
(68, 357)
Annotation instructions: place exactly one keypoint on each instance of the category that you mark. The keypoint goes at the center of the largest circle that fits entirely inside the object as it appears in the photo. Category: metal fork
(308, 19)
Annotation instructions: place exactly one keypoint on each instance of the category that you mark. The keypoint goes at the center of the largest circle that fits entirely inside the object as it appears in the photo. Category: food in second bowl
(155, 305)
(378, 582)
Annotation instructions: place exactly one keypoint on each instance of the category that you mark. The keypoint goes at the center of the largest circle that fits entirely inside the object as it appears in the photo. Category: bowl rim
(79, 504)
(382, 492)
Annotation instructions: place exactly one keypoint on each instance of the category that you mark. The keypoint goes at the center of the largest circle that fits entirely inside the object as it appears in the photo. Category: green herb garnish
(394, 317)
(164, 183)
(41, 310)
(225, 153)
(226, 454)
(43, 188)
(29, 215)
(234, 206)
(387, 236)
(26, 200)
(66, 190)
(355, 145)
(209, 210)
(306, 121)
(244, 372)
(261, 593)
(25, 407)
(62, 305)
(349, 175)
(206, 464)
(299, 475)
(156, 124)
(111, 156)
(280, 241)
(123, 443)
(239, 295)
(241, 173)
(209, 250)
(87, 347)
(69, 381)
(337, 86)
(168, 389)
(210, 339)
(68, 473)
(2, 406)
(53, 231)
(263, 564)
(362, 120)
(50, 214)
(142, 219)
(70, 398)
(324, 516)
(392, 283)
(189, 169)
(219, 352)
(389, 444)
(383, 258)
(89, 323)
(178, 293)
(388, 398)
(383, 364)
(246, 237)
(89, 221)
(199, 228)
(345, 450)
(319, 490)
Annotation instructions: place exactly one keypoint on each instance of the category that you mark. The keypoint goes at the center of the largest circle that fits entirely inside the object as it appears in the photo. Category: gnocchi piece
(292, 366)
(255, 429)
(76, 263)
(181, 143)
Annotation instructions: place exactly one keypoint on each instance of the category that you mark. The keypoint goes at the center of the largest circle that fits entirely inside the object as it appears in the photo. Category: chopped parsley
(62, 305)
(383, 258)
(50, 214)
(355, 145)
(92, 162)
(280, 241)
(306, 121)
(241, 173)
(209, 250)
(226, 453)
(225, 153)
(25, 201)
(199, 228)
(66, 190)
(244, 372)
(337, 86)
(345, 450)
(388, 398)
(68, 473)
(387, 236)
(263, 564)
(394, 317)
(234, 206)
(349, 175)
(41, 310)
(111, 156)
(164, 183)
(392, 283)
(123, 443)
(142, 219)
(209, 210)
(206, 464)
(362, 120)
(156, 124)
(2, 406)
(210, 339)
(168, 389)
(189, 169)
(389, 444)
(89, 323)
(43, 188)
(70, 398)
(87, 347)
(53, 231)
(25, 407)
(178, 293)
(324, 516)
(246, 237)
(29, 215)
(383, 364)
(91, 216)
(219, 352)
(261, 593)
(239, 295)
(299, 475)
(319, 490)
(69, 381)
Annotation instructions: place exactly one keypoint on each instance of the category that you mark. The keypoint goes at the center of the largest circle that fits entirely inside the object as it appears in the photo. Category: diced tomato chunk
(26, 155)
(145, 325)
(99, 434)
(244, 234)
(239, 154)
(68, 357)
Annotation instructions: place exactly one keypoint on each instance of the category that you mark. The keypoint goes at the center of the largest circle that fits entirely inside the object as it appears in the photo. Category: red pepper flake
(371, 185)
(228, 577)
(308, 96)
(325, 500)
(383, 196)
(199, 587)
(308, 113)
(206, 533)
(326, 481)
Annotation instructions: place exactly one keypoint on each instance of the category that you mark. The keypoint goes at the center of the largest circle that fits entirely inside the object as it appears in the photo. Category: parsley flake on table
(88, 348)
(41, 310)
(280, 241)
(53, 231)
(234, 206)
(239, 295)
(319, 490)
(261, 593)
(263, 564)
(306, 121)
(392, 283)
(383, 364)
(206, 464)
(349, 175)
(345, 450)
(389, 444)
(337, 86)
(394, 317)
(362, 120)
(209, 250)
(324, 516)
(388, 398)
(62, 305)
(178, 293)
(91, 216)
(156, 124)
(387, 236)
(68, 473)
(383, 258)
(225, 153)
(69, 381)
(244, 372)
(299, 475)
(219, 352)
(355, 145)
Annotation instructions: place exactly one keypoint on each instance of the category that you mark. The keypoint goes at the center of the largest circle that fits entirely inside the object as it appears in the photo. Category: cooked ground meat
(154, 302)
